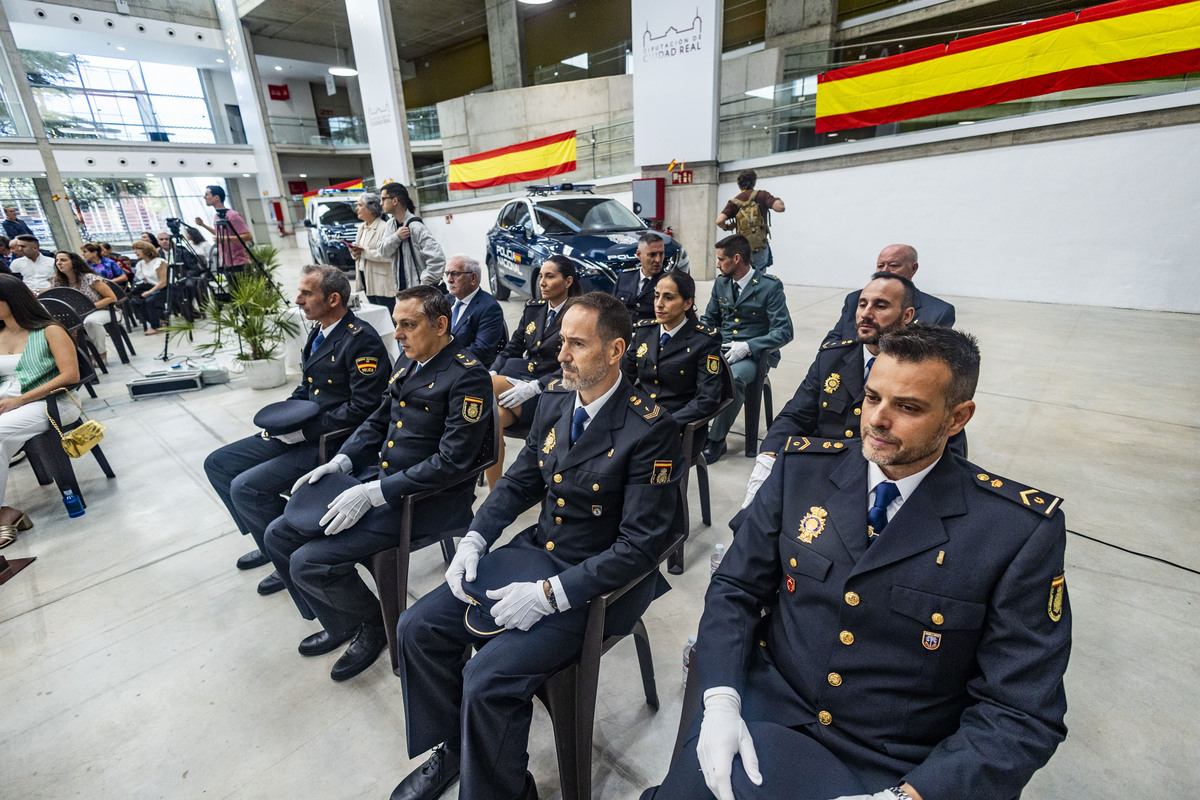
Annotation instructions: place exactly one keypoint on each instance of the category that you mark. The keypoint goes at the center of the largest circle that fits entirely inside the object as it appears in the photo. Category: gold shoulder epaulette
(535, 302)
(643, 323)
(354, 329)
(700, 326)
(555, 385)
(842, 343)
(1033, 499)
(811, 444)
(467, 360)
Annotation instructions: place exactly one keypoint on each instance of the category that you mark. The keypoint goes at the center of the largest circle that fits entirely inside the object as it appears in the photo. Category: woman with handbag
(37, 358)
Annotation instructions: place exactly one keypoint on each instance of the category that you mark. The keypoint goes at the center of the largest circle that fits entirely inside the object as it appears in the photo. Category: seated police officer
(476, 319)
(425, 434)
(345, 371)
(918, 629)
(635, 287)
(900, 259)
(606, 460)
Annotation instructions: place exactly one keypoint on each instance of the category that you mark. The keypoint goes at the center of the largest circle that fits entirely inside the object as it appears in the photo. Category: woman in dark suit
(530, 359)
(675, 358)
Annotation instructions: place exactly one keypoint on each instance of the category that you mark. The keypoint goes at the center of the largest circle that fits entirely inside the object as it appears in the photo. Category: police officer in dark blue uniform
(426, 433)
(345, 371)
(606, 459)
(529, 361)
(635, 287)
(918, 629)
(675, 358)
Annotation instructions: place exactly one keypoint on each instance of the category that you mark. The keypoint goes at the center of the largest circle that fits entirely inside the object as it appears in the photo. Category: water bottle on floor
(687, 657)
(74, 503)
(715, 561)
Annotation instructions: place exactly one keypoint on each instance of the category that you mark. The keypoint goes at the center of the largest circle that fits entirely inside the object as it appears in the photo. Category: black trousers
(250, 474)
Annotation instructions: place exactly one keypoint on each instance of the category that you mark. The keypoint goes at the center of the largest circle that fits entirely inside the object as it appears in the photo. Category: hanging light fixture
(340, 70)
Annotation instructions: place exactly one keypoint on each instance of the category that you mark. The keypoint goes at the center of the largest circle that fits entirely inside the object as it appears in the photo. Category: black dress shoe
(714, 450)
(255, 558)
(367, 645)
(429, 780)
(322, 642)
(270, 584)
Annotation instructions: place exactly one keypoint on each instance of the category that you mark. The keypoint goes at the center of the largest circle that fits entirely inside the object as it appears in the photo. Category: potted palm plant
(256, 316)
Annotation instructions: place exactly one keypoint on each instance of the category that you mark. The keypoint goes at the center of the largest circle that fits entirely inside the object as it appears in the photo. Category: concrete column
(690, 210)
(373, 38)
(51, 191)
(506, 43)
(797, 23)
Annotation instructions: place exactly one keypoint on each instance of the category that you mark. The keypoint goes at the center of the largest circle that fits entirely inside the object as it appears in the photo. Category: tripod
(176, 274)
(226, 235)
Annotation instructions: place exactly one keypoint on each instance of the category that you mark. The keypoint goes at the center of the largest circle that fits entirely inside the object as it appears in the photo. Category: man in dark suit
(900, 259)
(918, 629)
(345, 369)
(606, 459)
(425, 434)
(635, 287)
(476, 319)
(750, 310)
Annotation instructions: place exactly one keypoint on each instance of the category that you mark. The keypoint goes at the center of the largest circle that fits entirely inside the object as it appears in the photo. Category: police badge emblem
(548, 443)
(832, 383)
(366, 365)
(931, 640)
(1057, 587)
(812, 524)
(530, 328)
(472, 409)
(643, 349)
(597, 510)
(661, 472)
(713, 365)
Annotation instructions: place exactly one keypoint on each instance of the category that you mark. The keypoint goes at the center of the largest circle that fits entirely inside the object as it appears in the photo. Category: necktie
(870, 364)
(666, 337)
(458, 305)
(885, 493)
(641, 284)
(581, 417)
(550, 317)
(737, 289)
(320, 337)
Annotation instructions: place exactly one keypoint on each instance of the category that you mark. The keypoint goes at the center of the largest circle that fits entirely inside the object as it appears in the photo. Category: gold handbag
(81, 439)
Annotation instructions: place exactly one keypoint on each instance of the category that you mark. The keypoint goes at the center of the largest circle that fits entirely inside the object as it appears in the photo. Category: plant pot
(265, 374)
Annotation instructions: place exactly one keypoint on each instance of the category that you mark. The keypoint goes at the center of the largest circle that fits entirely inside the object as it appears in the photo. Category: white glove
(519, 393)
(350, 506)
(462, 566)
(338, 463)
(521, 604)
(723, 735)
(762, 468)
(886, 794)
(736, 351)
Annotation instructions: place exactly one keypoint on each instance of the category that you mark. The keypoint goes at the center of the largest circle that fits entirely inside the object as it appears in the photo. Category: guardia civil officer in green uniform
(529, 361)
(918, 629)
(425, 434)
(749, 309)
(345, 370)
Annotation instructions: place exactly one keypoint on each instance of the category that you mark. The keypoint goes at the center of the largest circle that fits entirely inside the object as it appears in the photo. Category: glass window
(586, 215)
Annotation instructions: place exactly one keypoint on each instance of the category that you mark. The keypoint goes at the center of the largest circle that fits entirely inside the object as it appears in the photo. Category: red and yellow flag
(347, 186)
(1127, 40)
(527, 161)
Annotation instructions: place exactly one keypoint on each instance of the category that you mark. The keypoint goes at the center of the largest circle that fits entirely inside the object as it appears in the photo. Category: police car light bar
(330, 191)
(543, 190)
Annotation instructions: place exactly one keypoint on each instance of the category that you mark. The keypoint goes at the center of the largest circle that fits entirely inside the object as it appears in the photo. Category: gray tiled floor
(137, 662)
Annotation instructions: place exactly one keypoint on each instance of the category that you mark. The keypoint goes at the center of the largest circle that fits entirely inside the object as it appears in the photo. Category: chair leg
(448, 549)
(702, 490)
(103, 462)
(752, 404)
(113, 329)
(767, 404)
(641, 639)
(128, 343)
(572, 733)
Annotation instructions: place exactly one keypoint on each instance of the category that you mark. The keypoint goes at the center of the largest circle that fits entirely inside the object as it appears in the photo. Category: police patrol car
(332, 220)
(599, 233)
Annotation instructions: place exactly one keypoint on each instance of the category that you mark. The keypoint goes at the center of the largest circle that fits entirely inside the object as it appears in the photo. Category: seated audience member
(344, 370)
(35, 267)
(750, 310)
(607, 462)
(425, 434)
(150, 238)
(37, 356)
(102, 266)
(529, 361)
(917, 627)
(635, 287)
(477, 320)
(675, 358)
(900, 259)
(150, 278)
(73, 272)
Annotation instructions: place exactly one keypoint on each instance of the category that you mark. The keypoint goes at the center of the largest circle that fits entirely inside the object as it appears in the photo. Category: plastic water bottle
(74, 504)
(687, 656)
(715, 561)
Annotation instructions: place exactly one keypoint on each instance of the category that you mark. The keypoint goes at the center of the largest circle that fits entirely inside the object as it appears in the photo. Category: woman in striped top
(37, 357)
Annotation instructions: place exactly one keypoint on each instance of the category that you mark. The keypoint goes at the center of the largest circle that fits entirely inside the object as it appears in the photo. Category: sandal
(8, 535)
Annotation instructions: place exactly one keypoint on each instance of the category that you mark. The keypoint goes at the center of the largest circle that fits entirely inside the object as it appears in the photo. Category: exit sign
(683, 176)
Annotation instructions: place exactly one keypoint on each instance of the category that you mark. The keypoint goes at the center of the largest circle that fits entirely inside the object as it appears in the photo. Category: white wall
(1104, 220)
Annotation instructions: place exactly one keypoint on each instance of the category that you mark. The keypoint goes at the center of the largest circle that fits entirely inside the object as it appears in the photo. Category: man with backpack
(748, 213)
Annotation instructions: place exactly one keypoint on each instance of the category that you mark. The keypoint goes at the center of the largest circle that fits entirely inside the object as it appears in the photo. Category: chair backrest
(489, 452)
(62, 313)
(79, 302)
(117, 289)
(727, 389)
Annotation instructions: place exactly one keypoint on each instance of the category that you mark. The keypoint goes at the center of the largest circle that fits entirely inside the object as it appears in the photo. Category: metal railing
(423, 124)
(73, 113)
(347, 131)
(599, 64)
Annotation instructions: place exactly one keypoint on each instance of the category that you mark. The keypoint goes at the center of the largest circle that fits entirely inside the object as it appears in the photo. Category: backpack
(751, 224)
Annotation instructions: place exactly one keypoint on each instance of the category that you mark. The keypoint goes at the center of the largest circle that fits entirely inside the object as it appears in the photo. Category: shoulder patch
(1033, 499)
(811, 444)
(843, 343)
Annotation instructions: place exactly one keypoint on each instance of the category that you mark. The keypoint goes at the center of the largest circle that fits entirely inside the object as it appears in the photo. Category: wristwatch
(548, 588)
(900, 793)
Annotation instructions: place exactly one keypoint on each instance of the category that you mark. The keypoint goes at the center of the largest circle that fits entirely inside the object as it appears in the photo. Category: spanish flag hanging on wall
(1128, 40)
(527, 161)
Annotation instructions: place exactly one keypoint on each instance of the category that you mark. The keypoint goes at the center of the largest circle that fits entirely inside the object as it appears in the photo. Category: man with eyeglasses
(477, 321)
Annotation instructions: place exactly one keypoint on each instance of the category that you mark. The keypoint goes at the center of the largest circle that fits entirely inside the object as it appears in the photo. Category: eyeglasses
(457, 274)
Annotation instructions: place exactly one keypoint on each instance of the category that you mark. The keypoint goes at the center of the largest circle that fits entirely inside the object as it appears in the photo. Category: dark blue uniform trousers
(251, 474)
(485, 703)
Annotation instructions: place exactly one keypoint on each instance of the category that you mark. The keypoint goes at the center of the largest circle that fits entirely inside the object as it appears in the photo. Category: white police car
(599, 233)
(332, 220)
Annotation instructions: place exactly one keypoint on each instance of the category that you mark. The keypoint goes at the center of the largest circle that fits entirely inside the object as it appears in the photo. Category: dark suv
(599, 233)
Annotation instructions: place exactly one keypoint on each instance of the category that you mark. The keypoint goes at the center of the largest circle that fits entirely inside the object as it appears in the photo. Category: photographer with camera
(233, 254)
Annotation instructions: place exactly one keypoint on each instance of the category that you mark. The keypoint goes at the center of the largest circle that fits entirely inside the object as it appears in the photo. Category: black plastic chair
(65, 305)
(758, 394)
(117, 330)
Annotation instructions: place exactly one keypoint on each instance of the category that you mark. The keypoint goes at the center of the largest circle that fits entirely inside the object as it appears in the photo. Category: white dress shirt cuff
(560, 594)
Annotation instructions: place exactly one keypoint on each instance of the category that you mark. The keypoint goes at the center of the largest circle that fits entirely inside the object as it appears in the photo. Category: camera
(221, 212)
(173, 224)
